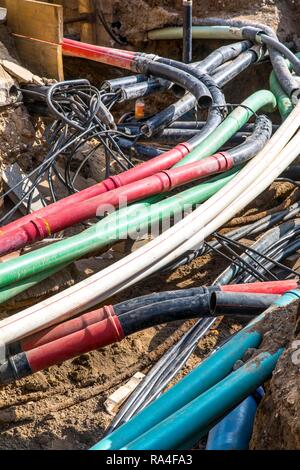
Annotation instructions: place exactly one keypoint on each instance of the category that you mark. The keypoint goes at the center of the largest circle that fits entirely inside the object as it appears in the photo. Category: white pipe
(259, 172)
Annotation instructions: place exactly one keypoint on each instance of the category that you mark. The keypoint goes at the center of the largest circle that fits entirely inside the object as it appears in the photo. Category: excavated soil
(62, 408)
(277, 424)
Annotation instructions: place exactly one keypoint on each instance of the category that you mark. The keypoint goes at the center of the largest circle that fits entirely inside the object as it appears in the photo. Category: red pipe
(145, 169)
(271, 287)
(71, 326)
(92, 337)
(64, 329)
(161, 182)
(105, 55)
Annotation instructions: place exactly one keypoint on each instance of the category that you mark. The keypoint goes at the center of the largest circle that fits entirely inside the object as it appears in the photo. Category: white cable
(168, 246)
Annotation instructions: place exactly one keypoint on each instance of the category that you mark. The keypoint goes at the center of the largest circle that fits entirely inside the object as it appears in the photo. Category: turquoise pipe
(198, 32)
(202, 378)
(206, 375)
(36, 266)
(286, 298)
(192, 421)
(235, 430)
(105, 232)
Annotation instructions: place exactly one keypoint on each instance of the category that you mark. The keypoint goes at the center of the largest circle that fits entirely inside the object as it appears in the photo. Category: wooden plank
(87, 30)
(42, 58)
(115, 400)
(36, 20)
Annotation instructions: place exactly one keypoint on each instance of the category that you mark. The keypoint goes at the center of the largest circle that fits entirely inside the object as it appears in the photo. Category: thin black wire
(262, 255)
(80, 114)
(225, 240)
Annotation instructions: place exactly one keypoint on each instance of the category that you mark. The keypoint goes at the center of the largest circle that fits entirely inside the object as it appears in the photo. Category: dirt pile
(277, 423)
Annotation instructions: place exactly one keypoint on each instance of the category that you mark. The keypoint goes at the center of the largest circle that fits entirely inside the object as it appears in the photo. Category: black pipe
(158, 297)
(172, 136)
(293, 172)
(284, 76)
(256, 35)
(187, 51)
(253, 144)
(222, 55)
(140, 150)
(237, 66)
(237, 303)
(185, 104)
(117, 83)
(181, 107)
(166, 311)
(143, 89)
(134, 126)
(184, 78)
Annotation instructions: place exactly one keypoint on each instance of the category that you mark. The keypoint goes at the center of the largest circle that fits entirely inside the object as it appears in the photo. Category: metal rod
(187, 31)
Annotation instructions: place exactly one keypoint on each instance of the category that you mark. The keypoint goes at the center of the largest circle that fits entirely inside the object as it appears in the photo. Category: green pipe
(285, 105)
(199, 32)
(192, 421)
(120, 223)
(202, 378)
(39, 264)
(7, 293)
(239, 116)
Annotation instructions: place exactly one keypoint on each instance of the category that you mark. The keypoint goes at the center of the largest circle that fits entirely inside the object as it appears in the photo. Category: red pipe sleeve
(92, 337)
(68, 327)
(145, 169)
(159, 183)
(272, 287)
(105, 55)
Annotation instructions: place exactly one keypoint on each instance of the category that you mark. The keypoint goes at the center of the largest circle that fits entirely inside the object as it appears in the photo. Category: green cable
(284, 103)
